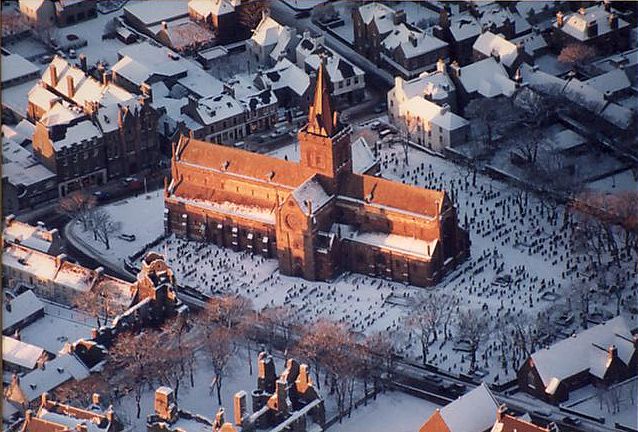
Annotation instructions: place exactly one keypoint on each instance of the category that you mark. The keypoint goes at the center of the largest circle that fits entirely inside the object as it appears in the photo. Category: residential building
(36, 237)
(290, 84)
(460, 32)
(17, 70)
(484, 78)
(423, 109)
(598, 26)
(271, 41)
(39, 13)
(505, 52)
(508, 423)
(600, 355)
(347, 81)
(317, 216)
(286, 402)
(260, 106)
(26, 182)
(20, 311)
(222, 16)
(185, 37)
(222, 119)
(475, 411)
(69, 12)
(150, 20)
(372, 22)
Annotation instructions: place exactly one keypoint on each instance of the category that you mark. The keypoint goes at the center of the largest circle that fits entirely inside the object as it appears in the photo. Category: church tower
(324, 142)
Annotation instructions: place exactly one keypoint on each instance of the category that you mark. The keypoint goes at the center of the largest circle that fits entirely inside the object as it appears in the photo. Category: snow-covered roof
(610, 82)
(78, 133)
(464, 27)
(61, 113)
(42, 97)
(141, 61)
(22, 308)
(70, 422)
(400, 244)
(576, 24)
(362, 156)
(286, 74)
(58, 371)
(566, 139)
(184, 34)
(217, 108)
(21, 167)
(435, 84)
(311, 196)
(382, 15)
(489, 44)
(201, 84)
(15, 66)
(19, 133)
(211, 7)
(34, 237)
(267, 32)
(165, 10)
(532, 43)
(582, 351)
(487, 77)
(495, 15)
(259, 214)
(19, 353)
(412, 42)
(473, 412)
(447, 120)
(336, 66)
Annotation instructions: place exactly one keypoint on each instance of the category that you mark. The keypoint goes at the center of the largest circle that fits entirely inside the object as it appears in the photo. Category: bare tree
(220, 346)
(98, 302)
(576, 54)
(277, 324)
(80, 392)
(582, 294)
(250, 12)
(133, 365)
(103, 226)
(78, 206)
(473, 327)
(377, 358)
(425, 315)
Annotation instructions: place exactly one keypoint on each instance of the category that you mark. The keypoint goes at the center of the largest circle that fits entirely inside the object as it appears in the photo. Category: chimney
(520, 49)
(219, 419)
(612, 352)
(7, 305)
(53, 75)
(70, 87)
(96, 399)
(83, 64)
(582, 11)
(28, 415)
(613, 21)
(303, 379)
(164, 26)
(502, 409)
(412, 38)
(282, 395)
(399, 17)
(82, 428)
(240, 407)
(59, 260)
(165, 403)
(592, 28)
(9, 219)
(109, 415)
(440, 66)
(265, 13)
(43, 399)
(560, 18)
(106, 78)
(455, 69)
(444, 18)
(607, 5)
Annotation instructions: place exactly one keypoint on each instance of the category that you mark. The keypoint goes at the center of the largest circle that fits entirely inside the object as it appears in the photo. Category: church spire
(321, 118)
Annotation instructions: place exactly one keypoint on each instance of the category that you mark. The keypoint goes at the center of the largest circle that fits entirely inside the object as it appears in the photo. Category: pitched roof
(23, 307)
(576, 24)
(267, 31)
(311, 196)
(584, 351)
(20, 353)
(487, 77)
(15, 66)
(473, 412)
(508, 423)
(488, 44)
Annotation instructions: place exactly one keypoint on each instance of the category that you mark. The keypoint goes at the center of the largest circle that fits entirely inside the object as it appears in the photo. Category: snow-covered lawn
(617, 405)
(512, 232)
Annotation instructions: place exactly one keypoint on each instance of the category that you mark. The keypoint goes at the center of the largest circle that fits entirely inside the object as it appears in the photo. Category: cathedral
(316, 216)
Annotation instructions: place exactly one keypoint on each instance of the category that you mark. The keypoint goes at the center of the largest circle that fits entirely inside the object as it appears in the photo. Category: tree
(529, 145)
(98, 302)
(473, 327)
(80, 392)
(250, 12)
(134, 364)
(576, 54)
(219, 344)
(78, 206)
(582, 293)
(410, 125)
(277, 324)
(376, 356)
(424, 318)
(103, 226)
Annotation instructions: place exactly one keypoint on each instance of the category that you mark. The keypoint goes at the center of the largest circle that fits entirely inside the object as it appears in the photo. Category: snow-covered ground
(616, 405)
(624, 181)
(512, 233)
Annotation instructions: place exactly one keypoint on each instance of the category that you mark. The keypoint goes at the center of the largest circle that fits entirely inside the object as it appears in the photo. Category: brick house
(317, 216)
(600, 355)
(69, 12)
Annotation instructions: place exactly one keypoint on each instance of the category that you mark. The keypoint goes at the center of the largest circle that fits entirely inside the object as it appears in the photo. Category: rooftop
(15, 66)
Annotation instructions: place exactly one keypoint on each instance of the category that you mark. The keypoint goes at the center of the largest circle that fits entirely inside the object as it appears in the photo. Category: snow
(23, 307)
(22, 168)
(464, 27)
(627, 405)
(489, 43)
(576, 24)
(58, 327)
(15, 98)
(20, 353)
(166, 10)
(362, 157)
(217, 108)
(311, 196)
(15, 66)
(533, 43)
(27, 235)
(249, 212)
(72, 423)
(141, 61)
(392, 411)
(486, 77)
(401, 36)
(84, 131)
(576, 354)
(60, 114)
(473, 412)
(268, 32)
(624, 181)
(397, 243)
(58, 371)
(286, 74)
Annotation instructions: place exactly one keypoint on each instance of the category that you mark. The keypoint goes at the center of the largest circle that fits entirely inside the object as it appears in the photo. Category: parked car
(571, 420)
(380, 108)
(101, 196)
(131, 183)
(375, 125)
(302, 14)
(127, 237)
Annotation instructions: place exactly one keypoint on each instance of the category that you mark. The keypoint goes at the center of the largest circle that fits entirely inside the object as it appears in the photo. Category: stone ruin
(288, 402)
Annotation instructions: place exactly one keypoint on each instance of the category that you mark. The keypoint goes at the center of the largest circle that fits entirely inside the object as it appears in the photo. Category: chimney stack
(282, 396)
(96, 399)
(164, 26)
(502, 409)
(440, 66)
(613, 21)
(59, 260)
(70, 86)
(83, 64)
(165, 407)
(106, 78)
(612, 352)
(219, 419)
(28, 415)
(240, 407)
(53, 73)
(399, 17)
(560, 18)
(455, 69)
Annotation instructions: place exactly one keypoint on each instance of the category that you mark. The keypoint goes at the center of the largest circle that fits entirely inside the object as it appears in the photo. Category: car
(127, 237)
(571, 420)
(302, 14)
(380, 108)
(46, 59)
(433, 378)
(101, 196)
(239, 144)
(375, 125)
